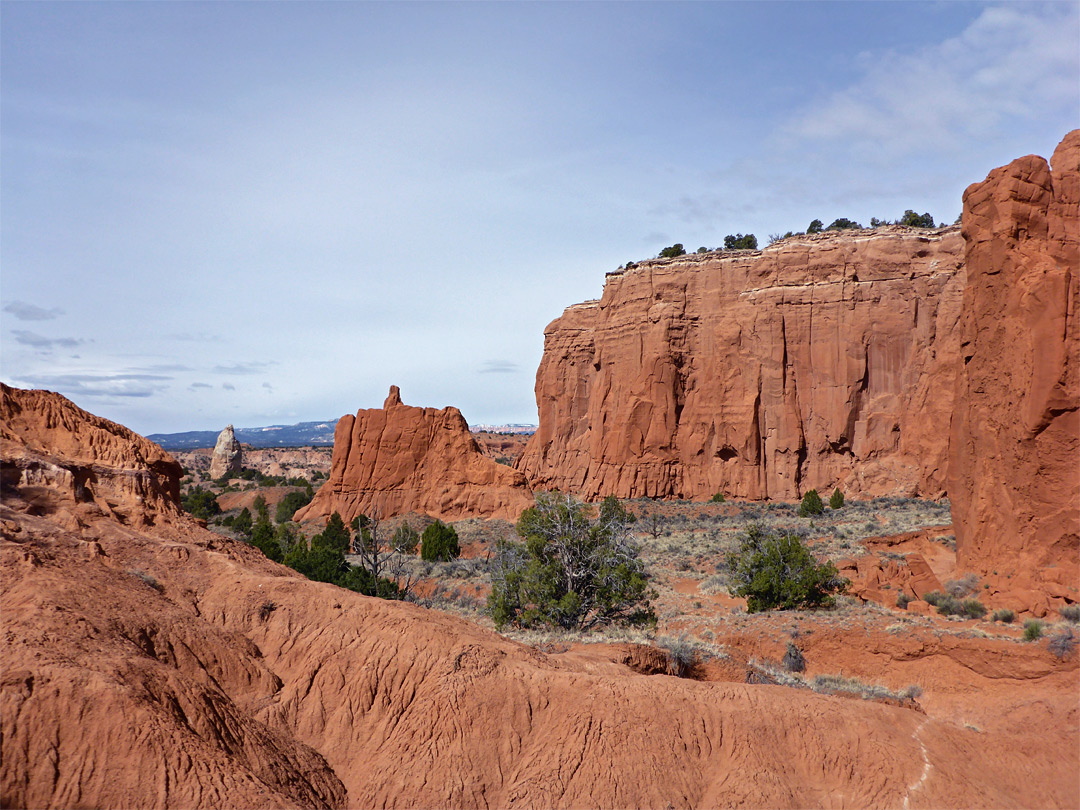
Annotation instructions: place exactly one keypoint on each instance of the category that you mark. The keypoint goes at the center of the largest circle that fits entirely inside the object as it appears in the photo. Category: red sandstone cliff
(401, 459)
(1014, 474)
(819, 361)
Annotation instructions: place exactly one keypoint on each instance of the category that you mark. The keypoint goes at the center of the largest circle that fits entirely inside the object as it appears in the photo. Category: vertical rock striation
(397, 459)
(822, 360)
(1014, 474)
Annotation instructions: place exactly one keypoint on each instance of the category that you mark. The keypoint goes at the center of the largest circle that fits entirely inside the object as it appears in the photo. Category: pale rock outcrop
(397, 459)
(228, 457)
(1014, 474)
(823, 360)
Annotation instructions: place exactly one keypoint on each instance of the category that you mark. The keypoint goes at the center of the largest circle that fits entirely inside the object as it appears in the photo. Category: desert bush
(569, 571)
(973, 608)
(740, 242)
(811, 504)
(200, 503)
(902, 600)
(439, 542)
(717, 498)
(1033, 630)
(778, 571)
(793, 659)
(1004, 615)
(1070, 613)
(837, 499)
(266, 608)
(949, 605)
(672, 252)
(963, 586)
(680, 653)
(1062, 643)
(241, 524)
(288, 505)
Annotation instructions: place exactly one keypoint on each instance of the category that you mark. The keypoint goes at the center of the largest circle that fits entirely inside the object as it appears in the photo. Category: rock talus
(823, 360)
(1014, 474)
(397, 459)
(228, 456)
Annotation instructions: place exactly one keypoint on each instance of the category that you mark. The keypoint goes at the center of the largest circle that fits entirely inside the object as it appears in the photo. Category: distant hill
(299, 435)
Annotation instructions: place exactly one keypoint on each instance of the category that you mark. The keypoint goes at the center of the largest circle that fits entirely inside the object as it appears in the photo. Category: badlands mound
(159, 665)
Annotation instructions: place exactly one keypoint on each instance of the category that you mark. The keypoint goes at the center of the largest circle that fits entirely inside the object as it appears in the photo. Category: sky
(264, 213)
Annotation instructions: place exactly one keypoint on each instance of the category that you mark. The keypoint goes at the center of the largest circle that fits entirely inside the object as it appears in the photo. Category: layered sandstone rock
(55, 453)
(1014, 476)
(822, 360)
(227, 458)
(401, 459)
(167, 666)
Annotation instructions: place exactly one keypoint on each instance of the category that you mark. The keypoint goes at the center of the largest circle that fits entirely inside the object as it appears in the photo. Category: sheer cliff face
(823, 360)
(1015, 458)
(400, 459)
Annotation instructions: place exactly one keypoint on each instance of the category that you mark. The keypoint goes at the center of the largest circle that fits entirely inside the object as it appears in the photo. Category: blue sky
(270, 212)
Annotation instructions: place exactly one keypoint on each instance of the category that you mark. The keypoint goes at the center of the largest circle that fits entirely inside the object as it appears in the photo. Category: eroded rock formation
(401, 459)
(228, 456)
(1015, 458)
(166, 666)
(55, 453)
(823, 360)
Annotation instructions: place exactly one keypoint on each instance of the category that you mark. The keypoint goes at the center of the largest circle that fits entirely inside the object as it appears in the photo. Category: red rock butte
(397, 459)
(1014, 473)
(822, 360)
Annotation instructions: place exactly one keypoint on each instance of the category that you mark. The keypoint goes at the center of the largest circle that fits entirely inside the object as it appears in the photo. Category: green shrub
(837, 499)
(262, 537)
(902, 600)
(200, 503)
(439, 542)
(672, 252)
(740, 242)
(815, 226)
(569, 571)
(718, 498)
(241, 524)
(1033, 629)
(1004, 615)
(811, 504)
(911, 219)
(611, 509)
(973, 608)
(1070, 613)
(288, 505)
(778, 571)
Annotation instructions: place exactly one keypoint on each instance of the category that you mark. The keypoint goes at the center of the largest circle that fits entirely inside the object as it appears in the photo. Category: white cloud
(1012, 61)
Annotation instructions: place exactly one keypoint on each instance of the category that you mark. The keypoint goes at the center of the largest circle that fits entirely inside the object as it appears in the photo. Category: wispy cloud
(251, 367)
(197, 385)
(1012, 62)
(30, 312)
(36, 341)
(198, 337)
(498, 367)
(228, 386)
(101, 385)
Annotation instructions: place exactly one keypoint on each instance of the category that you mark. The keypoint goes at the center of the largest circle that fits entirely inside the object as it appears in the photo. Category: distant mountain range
(298, 435)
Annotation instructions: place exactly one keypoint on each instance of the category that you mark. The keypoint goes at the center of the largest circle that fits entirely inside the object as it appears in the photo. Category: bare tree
(384, 558)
